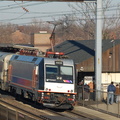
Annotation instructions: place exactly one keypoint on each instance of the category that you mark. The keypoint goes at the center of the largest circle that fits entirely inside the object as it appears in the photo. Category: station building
(83, 54)
(41, 40)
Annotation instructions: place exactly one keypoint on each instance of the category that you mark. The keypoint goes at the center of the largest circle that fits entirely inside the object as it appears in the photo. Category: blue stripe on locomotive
(35, 61)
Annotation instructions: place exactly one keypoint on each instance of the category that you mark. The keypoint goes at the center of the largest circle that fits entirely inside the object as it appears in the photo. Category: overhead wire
(38, 4)
(33, 5)
(75, 19)
(20, 5)
(12, 4)
(55, 14)
(28, 5)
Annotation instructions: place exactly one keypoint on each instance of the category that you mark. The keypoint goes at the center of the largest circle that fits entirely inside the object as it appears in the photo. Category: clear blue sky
(14, 12)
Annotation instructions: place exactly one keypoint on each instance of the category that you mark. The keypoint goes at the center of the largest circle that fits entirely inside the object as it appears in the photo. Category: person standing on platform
(117, 93)
(80, 90)
(111, 90)
(86, 92)
(91, 89)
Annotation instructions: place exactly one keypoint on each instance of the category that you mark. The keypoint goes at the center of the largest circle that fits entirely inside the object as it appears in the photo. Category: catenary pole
(98, 49)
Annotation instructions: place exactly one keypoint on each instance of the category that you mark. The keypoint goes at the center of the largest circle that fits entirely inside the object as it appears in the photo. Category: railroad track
(82, 115)
(27, 108)
(22, 112)
(75, 115)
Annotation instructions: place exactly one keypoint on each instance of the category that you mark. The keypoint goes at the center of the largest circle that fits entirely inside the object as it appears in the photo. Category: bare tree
(35, 27)
(85, 17)
(5, 31)
(67, 30)
(86, 13)
(111, 19)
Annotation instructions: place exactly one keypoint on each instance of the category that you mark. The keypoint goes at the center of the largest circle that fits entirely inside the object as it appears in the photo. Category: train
(48, 81)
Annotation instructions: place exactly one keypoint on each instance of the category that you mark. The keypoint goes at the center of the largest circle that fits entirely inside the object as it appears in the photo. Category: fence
(87, 98)
(9, 114)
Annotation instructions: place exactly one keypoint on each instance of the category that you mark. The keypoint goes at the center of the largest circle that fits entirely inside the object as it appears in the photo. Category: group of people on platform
(86, 92)
(113, 92)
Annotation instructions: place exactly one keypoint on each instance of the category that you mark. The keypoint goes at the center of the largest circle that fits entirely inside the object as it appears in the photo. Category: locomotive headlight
(68, 94)
(48, 93)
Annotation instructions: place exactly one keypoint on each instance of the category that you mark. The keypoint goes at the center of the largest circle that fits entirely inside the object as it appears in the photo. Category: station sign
(88, 79)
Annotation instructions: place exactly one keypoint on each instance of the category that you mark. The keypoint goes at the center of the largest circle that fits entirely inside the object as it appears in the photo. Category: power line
(77, 19)
(32, 4)
(55, 14)
(16, 6)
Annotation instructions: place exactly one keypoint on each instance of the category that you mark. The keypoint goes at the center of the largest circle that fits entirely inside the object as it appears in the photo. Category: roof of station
(80, 50)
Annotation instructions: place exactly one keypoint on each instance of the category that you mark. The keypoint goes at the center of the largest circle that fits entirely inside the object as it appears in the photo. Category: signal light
(47, 89)
(68, 90)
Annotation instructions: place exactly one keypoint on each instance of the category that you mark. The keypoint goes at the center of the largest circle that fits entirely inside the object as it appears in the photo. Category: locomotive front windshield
(59, 74)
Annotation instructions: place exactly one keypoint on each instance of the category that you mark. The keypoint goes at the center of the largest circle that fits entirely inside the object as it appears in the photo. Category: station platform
(98, 114)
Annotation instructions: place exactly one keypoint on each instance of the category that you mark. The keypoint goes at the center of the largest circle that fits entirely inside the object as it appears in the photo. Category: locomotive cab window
(65, 70)
(59, 74)
(51, 69)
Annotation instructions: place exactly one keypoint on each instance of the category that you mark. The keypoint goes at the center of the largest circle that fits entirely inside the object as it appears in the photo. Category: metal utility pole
(98, 49)
(52, 38)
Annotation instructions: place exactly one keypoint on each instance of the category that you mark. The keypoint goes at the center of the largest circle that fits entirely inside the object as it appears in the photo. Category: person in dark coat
(86, 92)
(80, 90)
(111, 91)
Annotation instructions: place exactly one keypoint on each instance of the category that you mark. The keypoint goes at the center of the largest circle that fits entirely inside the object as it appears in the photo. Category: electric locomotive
(49, 81)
